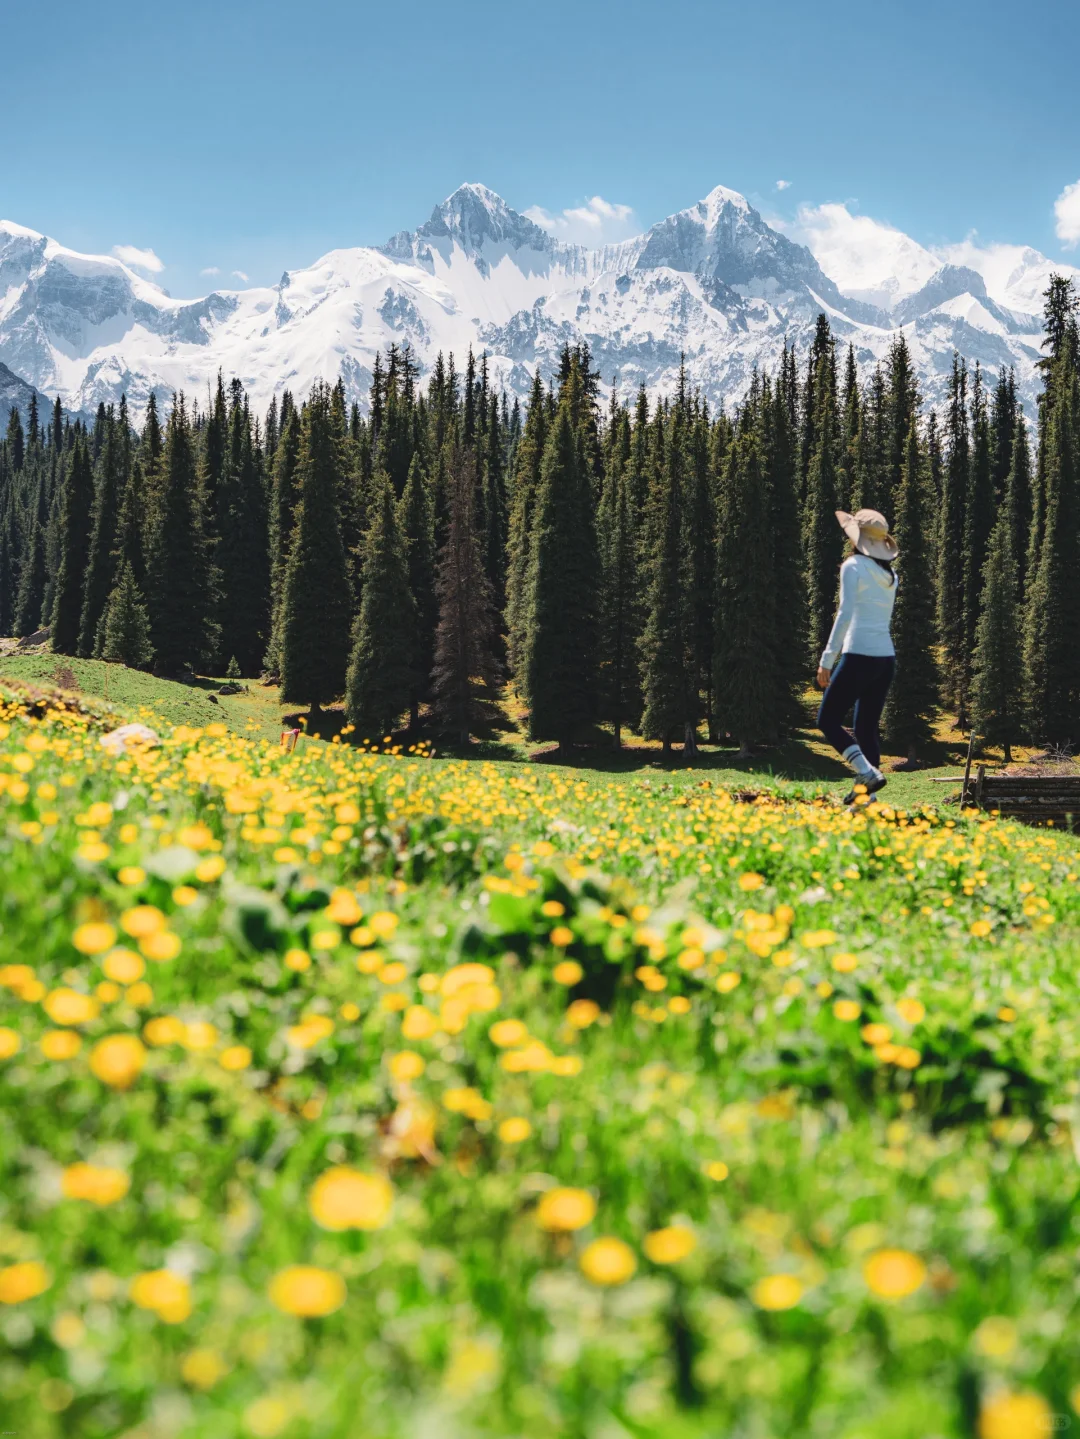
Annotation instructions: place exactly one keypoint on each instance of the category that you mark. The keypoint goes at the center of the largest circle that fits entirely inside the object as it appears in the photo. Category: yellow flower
(184, 894)
(209, 869)
(876, 1033)
(418, 1023)
(728, 981)
(202, 1368)
(843, 963)
(383, 923)
(567, 972)
(343, 909)
(297, 960)
(607, 1261)
(166, 1293)
(19, 1282)
(307, 1291)
(507, 1032)
(345, 1198)
(582, 1013)
(981, 928)
(10, 1043)
(1006, 1014)
(846, 1009)
(668, 1246)
(123, 965)
(911, 1010)
(818, 938)
(565, 1209)
(309, 1031)
(552, 909)
(195, 836)
(161, 946)
(165, 1029)
(406, 1065)
(93, 938)
(894, 1273)
(141, 920)
(514, 1130)
(561, 936)
(716, 1170)
(1015, 1416)
(464, 1099)
(996, 1337)
(751, 881)
(199, 1036)
(131, 874)
(60, 1044)
(777, 1291)
(68, 1006)
(236, 1056)
(118, 1060)
(98, 1183)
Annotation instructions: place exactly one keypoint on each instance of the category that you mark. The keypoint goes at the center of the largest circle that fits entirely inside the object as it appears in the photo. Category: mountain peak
(472, 217)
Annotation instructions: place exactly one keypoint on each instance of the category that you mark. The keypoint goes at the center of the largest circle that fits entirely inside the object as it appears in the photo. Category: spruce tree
(76, 502)
(283, 495)
(914, 696)
(997, 685)
(620, 606)
(111, 480)
(561, 641)
(745, 660)
(125, 635)
(822, 536)
(179, 574)
(526, 485)
(952, 526)
(787, 566)
(1017, 501)
(465, 668)
(32, 577)
(381, 678)
(316, 599)
(416, 520)
(242, 557)
(667, 669)
(978, 517)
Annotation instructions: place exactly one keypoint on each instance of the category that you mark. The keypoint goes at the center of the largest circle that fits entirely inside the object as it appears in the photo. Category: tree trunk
(690, 748)
(1008, 752)
(618, 735)
(745, 752)
(414, 714)
(667, 744)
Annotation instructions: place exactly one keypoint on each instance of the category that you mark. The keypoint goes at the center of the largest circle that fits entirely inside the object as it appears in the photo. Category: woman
(860, 636)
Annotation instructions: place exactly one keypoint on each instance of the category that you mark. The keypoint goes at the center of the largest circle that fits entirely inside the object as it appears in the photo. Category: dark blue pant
(862, 681)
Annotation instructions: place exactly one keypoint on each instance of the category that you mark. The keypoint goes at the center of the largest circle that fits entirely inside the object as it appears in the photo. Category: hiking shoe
(866, 787)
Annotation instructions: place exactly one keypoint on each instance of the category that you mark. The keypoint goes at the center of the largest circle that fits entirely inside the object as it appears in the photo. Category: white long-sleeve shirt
(861, 627)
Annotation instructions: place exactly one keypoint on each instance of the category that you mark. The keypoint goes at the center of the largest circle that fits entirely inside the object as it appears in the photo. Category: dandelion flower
(894, 1273)
(565, 1209)
(608, 1261)
(307, 1291)
(345, 1198)
(668, 1246)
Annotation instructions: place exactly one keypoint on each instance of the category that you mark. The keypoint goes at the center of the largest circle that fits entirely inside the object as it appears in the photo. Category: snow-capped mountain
(714, 282)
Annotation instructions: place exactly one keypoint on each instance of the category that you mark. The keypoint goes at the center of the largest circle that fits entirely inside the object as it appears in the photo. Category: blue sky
(253, 135)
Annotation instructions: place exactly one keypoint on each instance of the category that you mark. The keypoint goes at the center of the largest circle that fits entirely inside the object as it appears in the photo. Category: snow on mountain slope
(714, 282)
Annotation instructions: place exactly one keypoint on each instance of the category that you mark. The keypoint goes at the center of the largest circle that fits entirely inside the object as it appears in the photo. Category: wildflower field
(351, 1094)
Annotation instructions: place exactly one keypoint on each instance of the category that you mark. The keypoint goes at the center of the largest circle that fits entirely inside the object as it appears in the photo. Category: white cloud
(866, 258)
(597, 222)
(783, 184)
(1067, 216)
(139, 259)
(210, 270)
(239, 275)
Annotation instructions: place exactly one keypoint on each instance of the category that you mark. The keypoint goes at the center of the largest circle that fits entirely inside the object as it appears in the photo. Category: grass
(803, 765)
(352, 1093)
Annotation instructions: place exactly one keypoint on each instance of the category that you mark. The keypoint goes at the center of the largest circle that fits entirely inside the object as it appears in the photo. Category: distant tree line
(646, 567)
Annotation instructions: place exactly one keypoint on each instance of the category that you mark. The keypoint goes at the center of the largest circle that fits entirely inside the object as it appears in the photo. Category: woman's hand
(823, 677)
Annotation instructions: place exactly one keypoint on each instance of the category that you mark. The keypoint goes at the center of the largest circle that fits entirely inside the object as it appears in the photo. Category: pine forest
(626, 567)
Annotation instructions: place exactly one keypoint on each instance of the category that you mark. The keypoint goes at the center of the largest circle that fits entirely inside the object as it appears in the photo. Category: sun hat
(868, 531)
